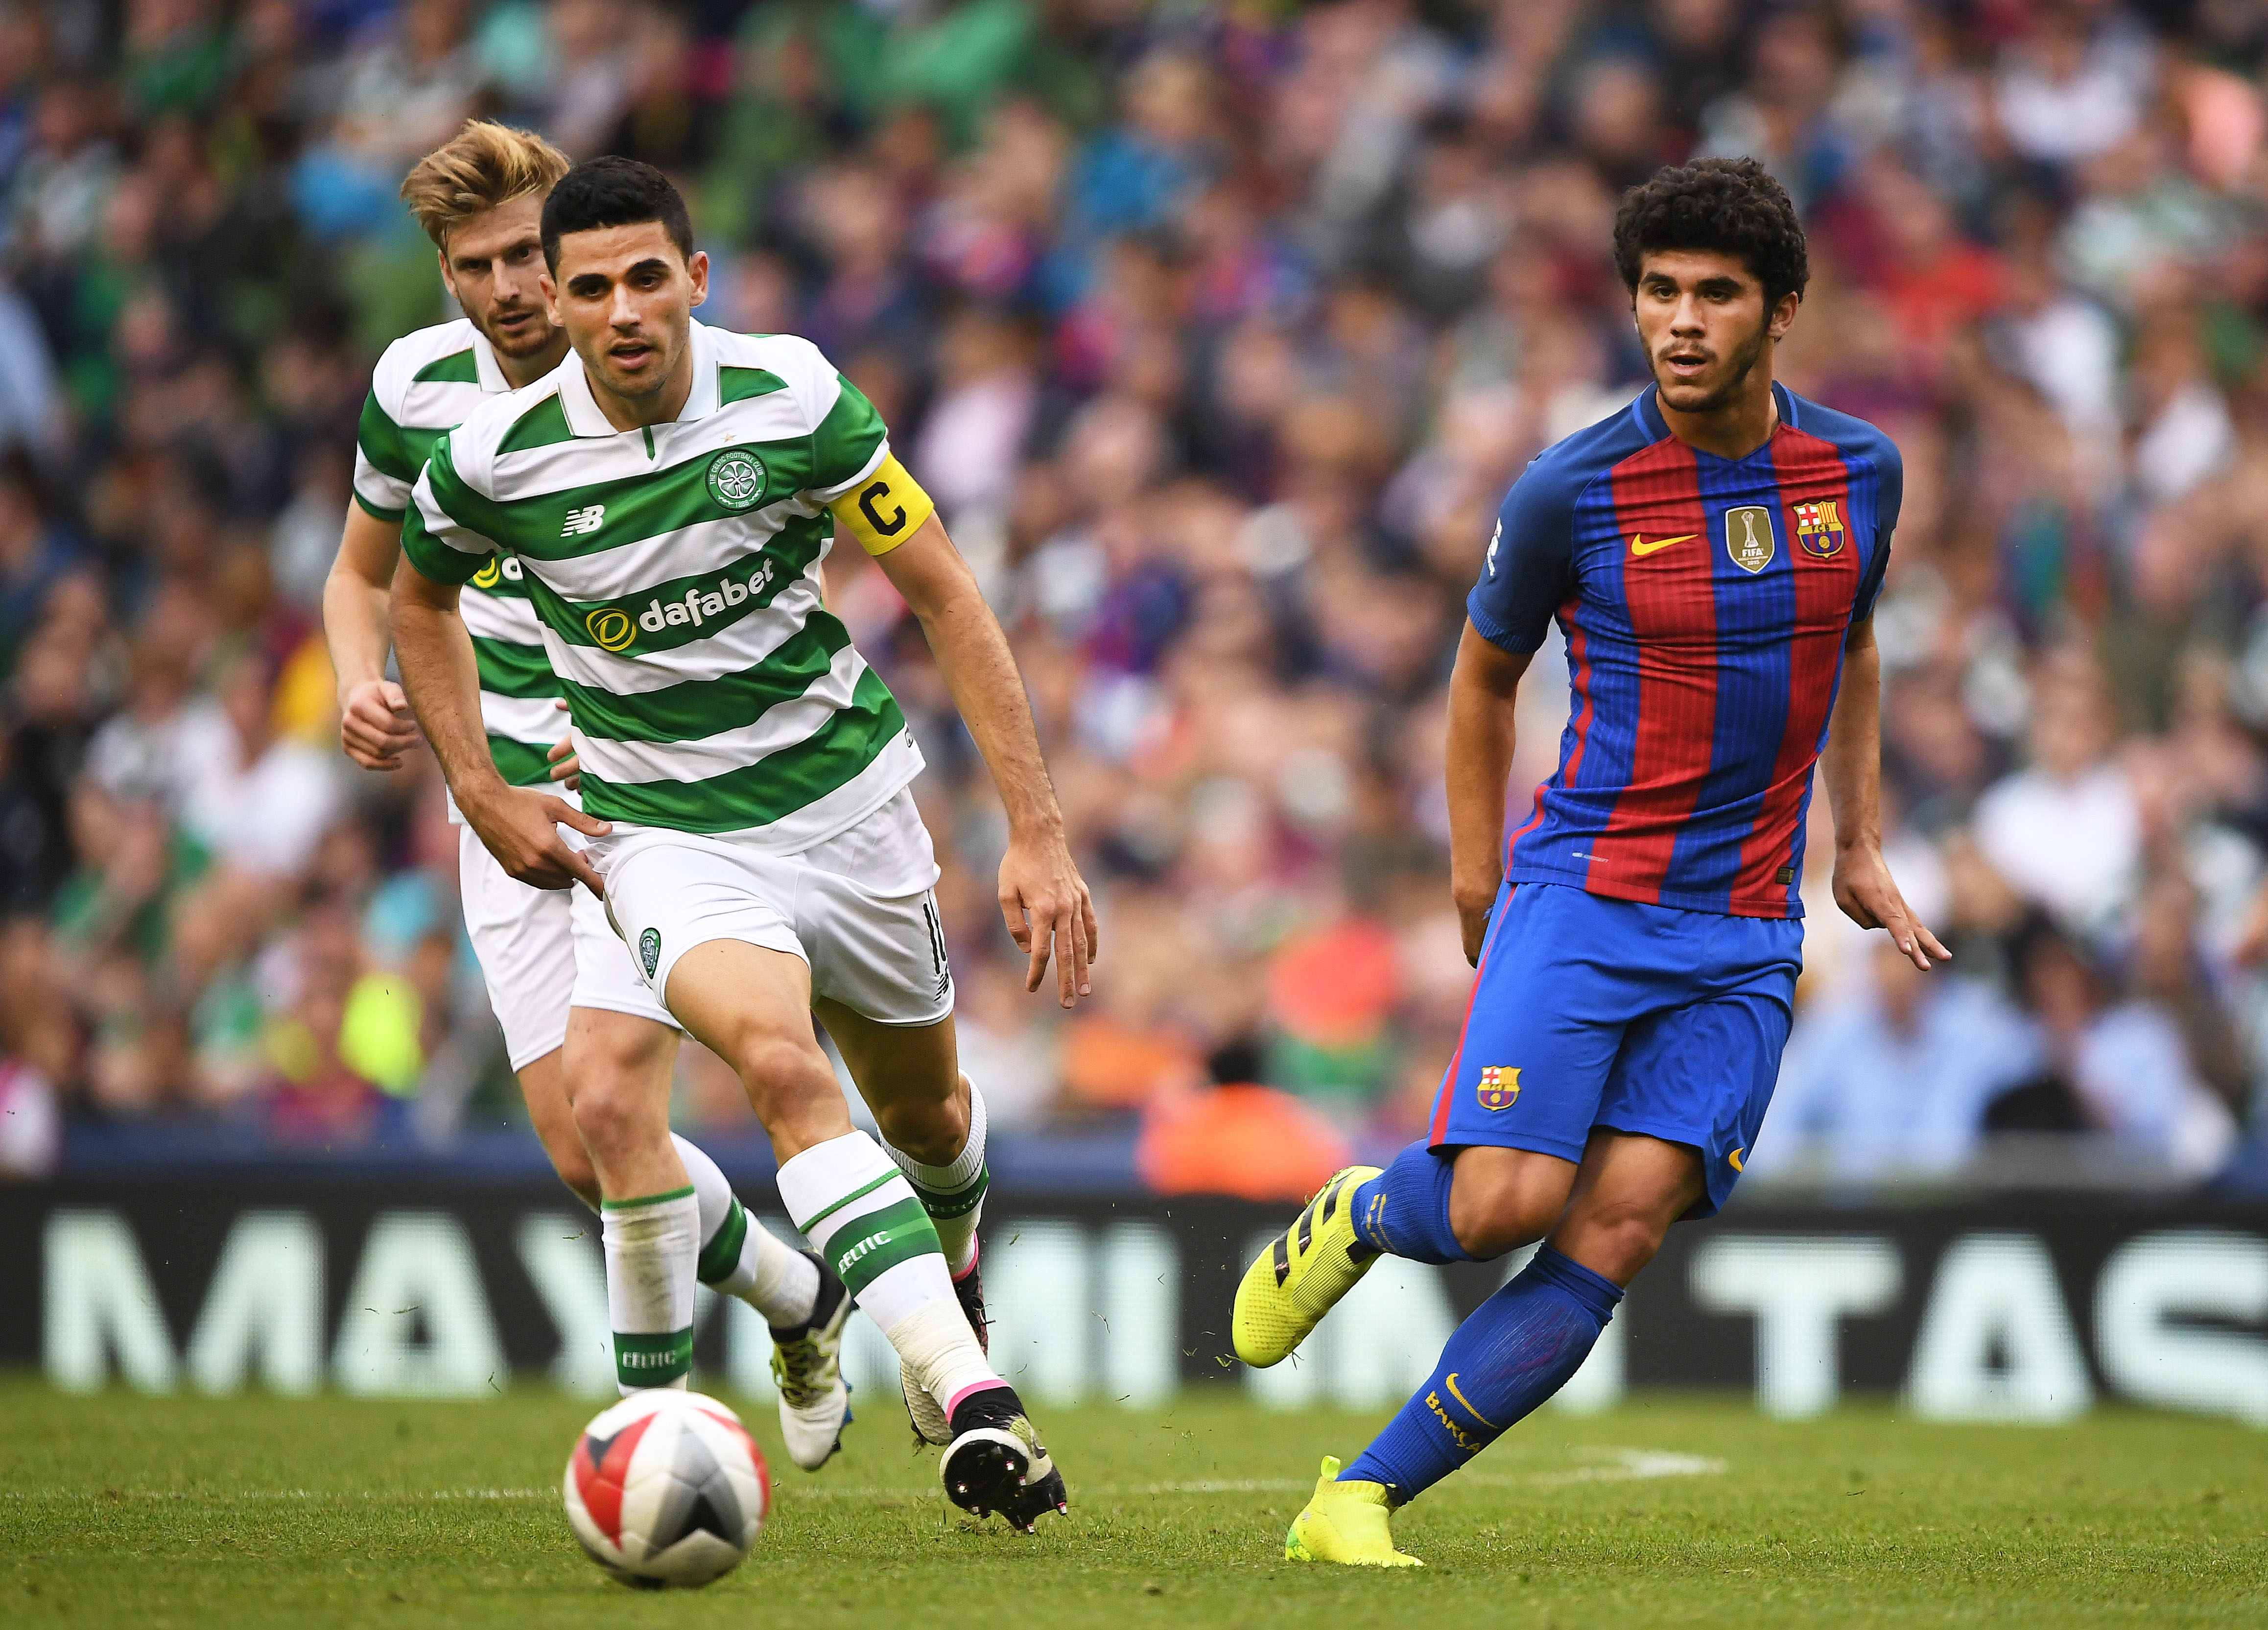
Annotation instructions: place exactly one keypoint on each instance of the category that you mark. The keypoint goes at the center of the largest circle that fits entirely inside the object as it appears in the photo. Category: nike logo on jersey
(580, 521)
(1642, 548)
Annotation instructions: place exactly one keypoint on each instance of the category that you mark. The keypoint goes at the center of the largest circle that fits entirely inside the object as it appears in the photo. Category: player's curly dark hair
(1731, 206)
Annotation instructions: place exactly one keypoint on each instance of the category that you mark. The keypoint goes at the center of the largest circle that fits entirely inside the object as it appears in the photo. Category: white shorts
(543, 951)
(856, 908)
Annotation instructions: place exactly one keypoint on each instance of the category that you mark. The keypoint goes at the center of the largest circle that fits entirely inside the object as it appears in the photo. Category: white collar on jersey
(583, 417)
(486, 369)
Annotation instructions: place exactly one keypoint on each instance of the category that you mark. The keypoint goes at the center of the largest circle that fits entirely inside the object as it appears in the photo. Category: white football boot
(815, 1401)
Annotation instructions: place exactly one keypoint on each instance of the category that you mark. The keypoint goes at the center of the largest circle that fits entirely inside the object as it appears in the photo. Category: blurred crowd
(1219, 331)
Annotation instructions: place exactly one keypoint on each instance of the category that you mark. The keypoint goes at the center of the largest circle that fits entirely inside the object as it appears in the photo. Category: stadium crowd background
(1219, 331)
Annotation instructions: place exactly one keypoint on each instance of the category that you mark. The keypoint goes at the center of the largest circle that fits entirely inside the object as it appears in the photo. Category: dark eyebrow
(653, 262)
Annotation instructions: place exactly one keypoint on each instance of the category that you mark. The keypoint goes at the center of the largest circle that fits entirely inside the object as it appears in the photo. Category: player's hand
(1049, 910)
(376, 726)
(1474, 904)
(1869, 897)
(564, 765)
(520, 827)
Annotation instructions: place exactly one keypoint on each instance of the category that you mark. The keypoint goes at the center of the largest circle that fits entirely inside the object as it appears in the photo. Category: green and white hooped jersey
(676, 571)
(426, 383)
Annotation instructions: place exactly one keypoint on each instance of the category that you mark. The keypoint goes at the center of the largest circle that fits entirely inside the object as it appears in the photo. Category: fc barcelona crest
(1748, 537)
(1500, 1087)
(1819, 528)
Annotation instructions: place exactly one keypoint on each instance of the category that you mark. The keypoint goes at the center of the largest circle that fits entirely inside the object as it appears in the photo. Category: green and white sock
(652, 1241)
(739, 1256)
(953, 1194)
(858, 1210)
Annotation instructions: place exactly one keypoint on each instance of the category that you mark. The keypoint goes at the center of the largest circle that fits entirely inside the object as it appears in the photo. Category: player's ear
(696, 271)
(544, 281)
(448, 278)
(1783, 314)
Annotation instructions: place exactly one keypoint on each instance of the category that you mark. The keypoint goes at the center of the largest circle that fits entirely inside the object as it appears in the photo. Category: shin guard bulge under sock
(858, 1212)
(739, 1256)
(1517, 1349)
(651, 1242)
(1404, 1210)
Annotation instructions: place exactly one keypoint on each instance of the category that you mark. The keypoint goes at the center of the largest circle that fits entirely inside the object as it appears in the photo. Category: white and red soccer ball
(667, 1488)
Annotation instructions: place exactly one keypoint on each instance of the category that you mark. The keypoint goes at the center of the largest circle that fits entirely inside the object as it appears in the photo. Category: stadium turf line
(1674, 1510)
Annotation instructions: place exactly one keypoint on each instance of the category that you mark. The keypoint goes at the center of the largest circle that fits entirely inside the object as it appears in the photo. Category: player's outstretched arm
(1482, 692)
(438, 670)
(1853, 767)
(1043, 897)
(375, 724)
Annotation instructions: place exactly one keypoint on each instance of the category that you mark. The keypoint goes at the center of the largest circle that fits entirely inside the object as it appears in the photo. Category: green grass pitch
(166, 1514)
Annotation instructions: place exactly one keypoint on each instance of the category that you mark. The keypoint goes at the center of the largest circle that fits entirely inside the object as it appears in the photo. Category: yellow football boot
(1294, 1283)
(1345, 1523)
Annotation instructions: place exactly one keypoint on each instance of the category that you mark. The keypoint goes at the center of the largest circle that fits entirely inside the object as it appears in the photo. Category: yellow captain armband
(883, 510)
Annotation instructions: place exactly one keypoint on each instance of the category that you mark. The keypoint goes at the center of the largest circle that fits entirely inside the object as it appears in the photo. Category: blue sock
(1404, 1210)
(1519, 1347)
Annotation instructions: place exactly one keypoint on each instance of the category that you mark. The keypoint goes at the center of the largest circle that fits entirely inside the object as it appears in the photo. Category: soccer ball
(667, 1488)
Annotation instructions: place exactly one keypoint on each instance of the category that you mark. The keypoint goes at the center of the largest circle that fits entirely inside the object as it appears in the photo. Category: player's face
(626, 296)
(493, 263)
(1704, 321)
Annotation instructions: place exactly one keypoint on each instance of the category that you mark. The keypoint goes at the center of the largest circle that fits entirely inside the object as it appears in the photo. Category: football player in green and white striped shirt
(670, 491)
(544, 955)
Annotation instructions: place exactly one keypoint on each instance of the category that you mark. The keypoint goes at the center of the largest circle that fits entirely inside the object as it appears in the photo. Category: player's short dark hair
(613, 191)
(1724, 206)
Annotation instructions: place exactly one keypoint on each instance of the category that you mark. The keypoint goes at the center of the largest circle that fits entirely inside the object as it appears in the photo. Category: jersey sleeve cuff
(1496, 633)
(828, 495)
(440, 562)
(378, 512)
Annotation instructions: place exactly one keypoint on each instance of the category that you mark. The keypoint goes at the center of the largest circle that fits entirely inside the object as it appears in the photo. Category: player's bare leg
(1627, 1192)
(933, 1124)
(1501, 1198)
(544, 1084)
(752, 1007)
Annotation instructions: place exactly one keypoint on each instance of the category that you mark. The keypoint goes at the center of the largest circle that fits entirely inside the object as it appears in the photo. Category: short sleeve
(383, 470)
(1529, 567)
(1891, 477)
(435, 537)
(849, 444)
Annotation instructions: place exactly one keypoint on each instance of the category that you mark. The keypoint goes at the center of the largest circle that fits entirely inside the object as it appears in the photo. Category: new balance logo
(581, 522)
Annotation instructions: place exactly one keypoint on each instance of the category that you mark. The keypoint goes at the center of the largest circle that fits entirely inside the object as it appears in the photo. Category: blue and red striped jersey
(1705, 601)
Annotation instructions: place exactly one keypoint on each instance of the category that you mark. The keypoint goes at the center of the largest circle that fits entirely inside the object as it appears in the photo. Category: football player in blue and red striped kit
(1712, 553)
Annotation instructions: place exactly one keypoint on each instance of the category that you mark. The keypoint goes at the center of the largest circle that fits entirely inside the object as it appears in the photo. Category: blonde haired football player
(570, 1017)
(670, 491)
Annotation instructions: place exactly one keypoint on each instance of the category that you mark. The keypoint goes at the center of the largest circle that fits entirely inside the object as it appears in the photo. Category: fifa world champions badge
(1819, 528)
(1500, 1088)
(1748, 537)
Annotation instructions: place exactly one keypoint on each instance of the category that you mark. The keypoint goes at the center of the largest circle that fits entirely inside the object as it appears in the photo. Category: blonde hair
(484, 165)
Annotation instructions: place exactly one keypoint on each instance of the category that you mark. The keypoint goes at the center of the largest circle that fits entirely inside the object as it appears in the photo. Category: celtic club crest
(1500, 1087)
(736, 479)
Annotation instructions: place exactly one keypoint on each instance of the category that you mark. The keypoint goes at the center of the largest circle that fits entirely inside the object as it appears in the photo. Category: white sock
(739, 1256)
(652, 1241)
(861, 1214)
(953, 1194)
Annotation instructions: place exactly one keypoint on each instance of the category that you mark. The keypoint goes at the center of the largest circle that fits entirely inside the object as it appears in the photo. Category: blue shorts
(1590, 1012)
